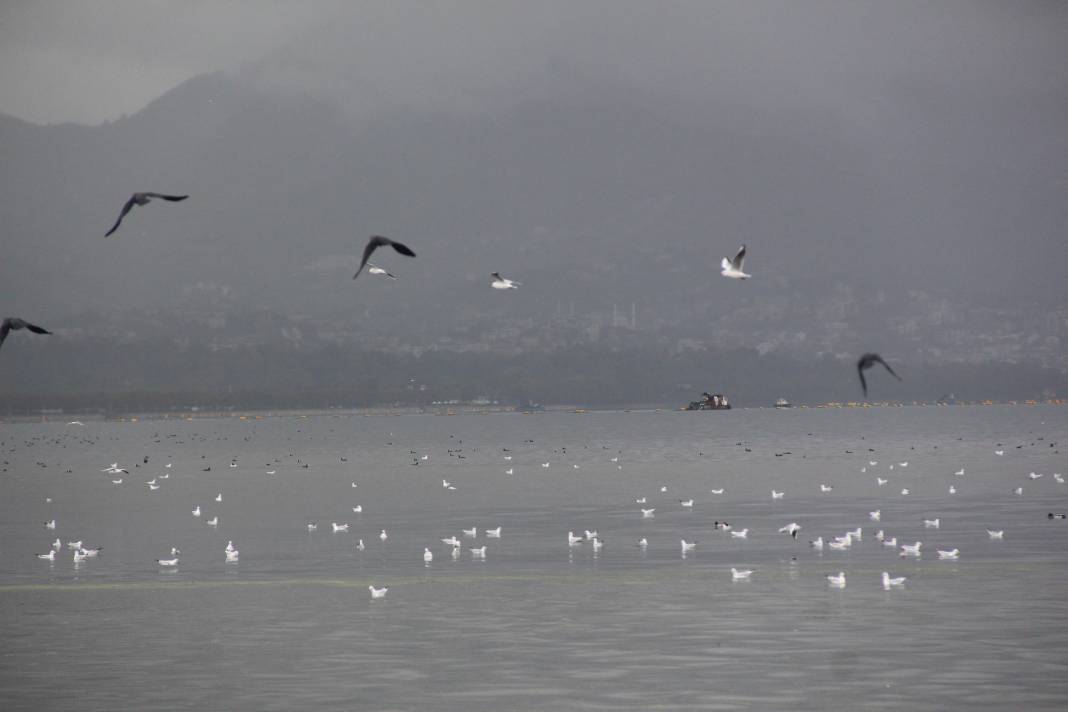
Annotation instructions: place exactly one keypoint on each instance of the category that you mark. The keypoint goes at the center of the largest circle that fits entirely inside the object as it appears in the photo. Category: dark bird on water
(867, 361)
(374, 243)
(14, 324)
(141, 199)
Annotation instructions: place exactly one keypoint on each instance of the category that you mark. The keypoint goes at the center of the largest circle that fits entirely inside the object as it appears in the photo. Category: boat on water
(783, 403)
(710, 401)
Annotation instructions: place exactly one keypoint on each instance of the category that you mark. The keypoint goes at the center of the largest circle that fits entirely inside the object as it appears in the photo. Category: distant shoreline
(453, 409)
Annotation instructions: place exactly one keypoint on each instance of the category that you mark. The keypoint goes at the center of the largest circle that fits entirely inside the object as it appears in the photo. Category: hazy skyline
(896, 169)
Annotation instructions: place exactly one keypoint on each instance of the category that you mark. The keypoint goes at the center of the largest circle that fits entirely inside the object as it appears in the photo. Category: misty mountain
(596, 195)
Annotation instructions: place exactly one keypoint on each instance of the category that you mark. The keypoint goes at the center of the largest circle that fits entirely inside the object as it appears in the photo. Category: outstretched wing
(125, 209)
(725, 264)
(863, 383)
(496, 276)
(37, 329)
(739, 259)
(5, 327)
(172, 198)
(403, 249)
(878, 359)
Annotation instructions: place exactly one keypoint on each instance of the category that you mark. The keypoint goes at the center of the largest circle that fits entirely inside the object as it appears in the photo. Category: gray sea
(537, 624)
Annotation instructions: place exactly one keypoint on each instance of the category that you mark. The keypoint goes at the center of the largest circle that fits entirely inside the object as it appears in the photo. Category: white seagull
(213, 522)
(825, 488)
(876, 515)
(952, 554)
(500, 282)
(996, 535)
(374, 269)
(428, 555)
(472, 532)
(383, 536)
(935, 523)
(733, 268)
(231, 556)
(740, 575)
(493, 533)
(687, 545)
(911, 549)
(479, 553)
(377, 592)
(888, 582)
(339, 527)
(167, 562)
(196, 512)
(573, 540)
(743, 534)
(50, 556)
(648, 513)
(837, 580)
(451, 541)
(777, 495)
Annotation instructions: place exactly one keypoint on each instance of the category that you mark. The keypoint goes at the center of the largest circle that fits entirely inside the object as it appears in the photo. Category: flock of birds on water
(947, 543)
(732, 268)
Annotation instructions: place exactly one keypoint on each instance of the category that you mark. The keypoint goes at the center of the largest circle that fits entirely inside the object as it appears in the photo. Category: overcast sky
(90, 61)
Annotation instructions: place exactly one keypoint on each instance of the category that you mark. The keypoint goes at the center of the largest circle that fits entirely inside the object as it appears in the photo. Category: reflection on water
(538, 624)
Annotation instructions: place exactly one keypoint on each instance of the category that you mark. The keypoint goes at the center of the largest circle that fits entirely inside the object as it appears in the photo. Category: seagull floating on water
(837, 580)
(167, 562)
(876, 515)
(493, 533)
(377, 241)
(452, 541)
(687, 545)
(952, 554)
(777, 495)
(740, 575)
(996, 535)
(911, 549)
(479, 553)
(935, 523)
(742, 534)
(339, 527)
(377, 592)
(50, 556)
(733, 268)
(472, 532)
(648, 513)
(428, 556)
(888, 582)
(141, 199)
(825, 488)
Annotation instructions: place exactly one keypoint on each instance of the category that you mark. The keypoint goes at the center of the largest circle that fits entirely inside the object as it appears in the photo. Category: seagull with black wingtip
(733, 268)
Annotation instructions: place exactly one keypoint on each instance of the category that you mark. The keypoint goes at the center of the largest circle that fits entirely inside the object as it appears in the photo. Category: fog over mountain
(899, 176)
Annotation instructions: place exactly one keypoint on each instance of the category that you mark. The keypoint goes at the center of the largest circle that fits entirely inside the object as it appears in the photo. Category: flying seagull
(13, 323)
(374, 269)
(500, 282)
(374, 243)
(733, 268)
(867, 361)
(141, 199)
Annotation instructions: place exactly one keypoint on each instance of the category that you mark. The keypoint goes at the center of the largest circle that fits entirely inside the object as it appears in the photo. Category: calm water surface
(538, 624)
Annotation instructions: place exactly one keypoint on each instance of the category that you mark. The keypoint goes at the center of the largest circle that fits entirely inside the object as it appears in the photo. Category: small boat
(783, 403)
(710, 401)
